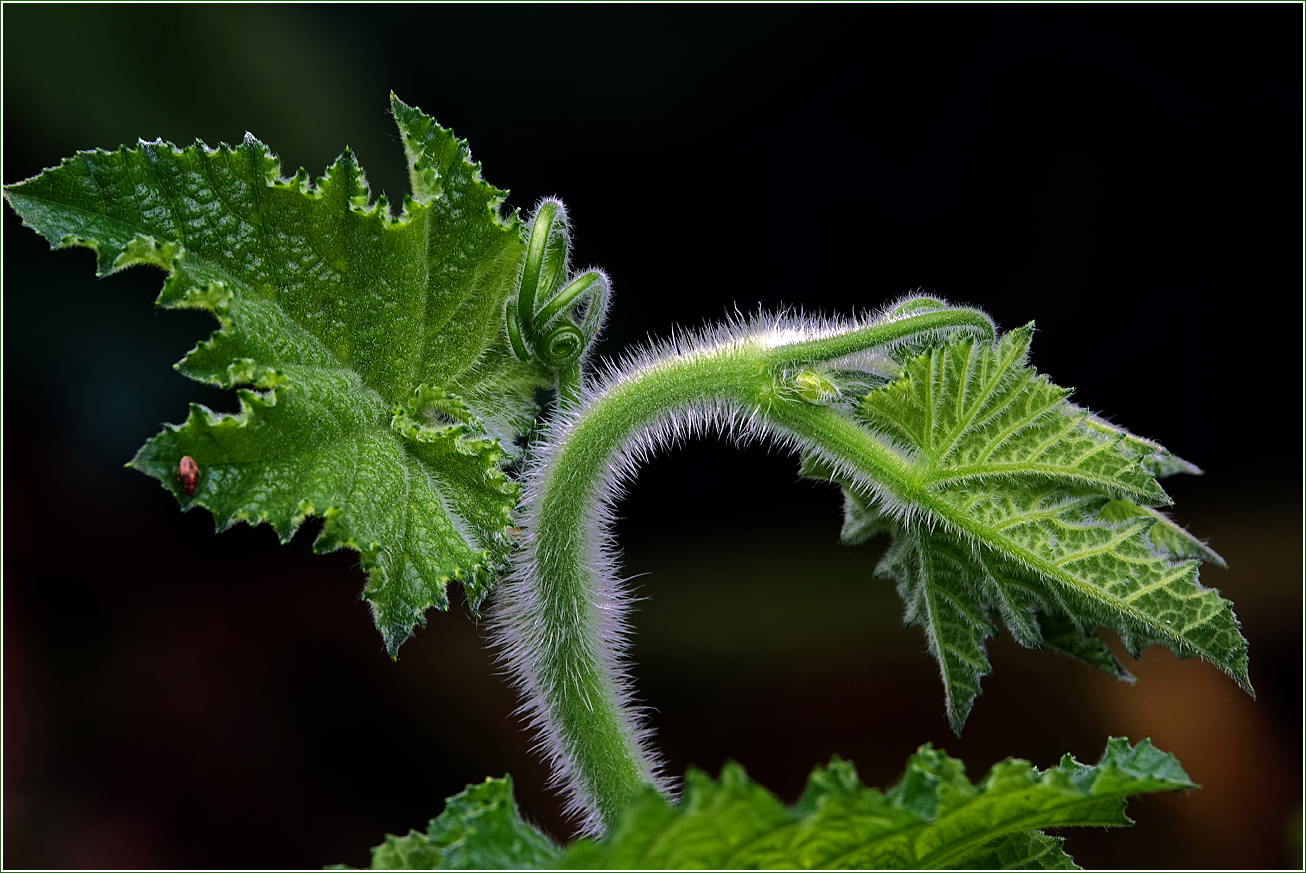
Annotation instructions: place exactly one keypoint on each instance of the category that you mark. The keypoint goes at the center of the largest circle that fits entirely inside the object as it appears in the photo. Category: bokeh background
(1128, 176)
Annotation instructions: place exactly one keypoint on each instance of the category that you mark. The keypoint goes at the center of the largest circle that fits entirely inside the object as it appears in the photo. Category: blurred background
(178, 699)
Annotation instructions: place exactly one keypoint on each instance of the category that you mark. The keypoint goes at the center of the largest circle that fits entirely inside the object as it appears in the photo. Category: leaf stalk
(560, 625)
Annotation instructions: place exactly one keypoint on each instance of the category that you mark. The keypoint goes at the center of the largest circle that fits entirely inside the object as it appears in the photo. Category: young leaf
(376, 387)
(934, 818)
(480, 829)
(1031, 512)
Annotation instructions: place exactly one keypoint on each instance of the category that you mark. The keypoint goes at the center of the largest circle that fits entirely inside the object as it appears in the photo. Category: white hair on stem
(547, 637)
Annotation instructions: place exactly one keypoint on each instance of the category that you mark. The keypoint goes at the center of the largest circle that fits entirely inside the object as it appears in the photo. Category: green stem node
(560, 626)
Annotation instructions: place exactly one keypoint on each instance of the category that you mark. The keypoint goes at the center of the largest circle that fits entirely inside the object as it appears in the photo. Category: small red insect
(188, 474)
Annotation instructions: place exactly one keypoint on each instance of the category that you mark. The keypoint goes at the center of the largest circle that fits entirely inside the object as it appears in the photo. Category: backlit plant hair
(560, 621)
(387, 369)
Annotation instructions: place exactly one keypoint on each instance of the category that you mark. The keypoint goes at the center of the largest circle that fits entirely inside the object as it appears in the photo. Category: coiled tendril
(540, 323)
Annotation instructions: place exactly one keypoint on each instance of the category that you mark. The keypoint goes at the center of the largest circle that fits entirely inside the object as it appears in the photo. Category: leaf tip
(1244, 680)
(959, 712)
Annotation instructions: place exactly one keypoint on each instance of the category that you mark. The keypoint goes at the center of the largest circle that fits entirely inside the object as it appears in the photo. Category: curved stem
(539, 269)
(569, 384)
(566, 297)
(560, 623)
(559, 619)
(939, 321)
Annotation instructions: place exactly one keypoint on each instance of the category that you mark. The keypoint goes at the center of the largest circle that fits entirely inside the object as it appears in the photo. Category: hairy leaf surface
(934, 818)
(480, 829)
(1032, 513)
(375, 384)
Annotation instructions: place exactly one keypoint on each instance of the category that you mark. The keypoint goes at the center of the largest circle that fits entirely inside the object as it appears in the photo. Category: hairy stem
(560, 625)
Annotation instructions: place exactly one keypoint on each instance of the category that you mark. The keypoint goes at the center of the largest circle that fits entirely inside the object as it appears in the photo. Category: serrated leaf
(1152, 455)
(933, 582)
(934, 818)
(377, 391)
(1034, 514)
(1164, 534)
(480, 829)
(1027, 850)
(713, 823)
(1061, 634)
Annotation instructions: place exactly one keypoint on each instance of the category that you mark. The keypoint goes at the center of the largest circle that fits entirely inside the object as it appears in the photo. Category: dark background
(1128, 176)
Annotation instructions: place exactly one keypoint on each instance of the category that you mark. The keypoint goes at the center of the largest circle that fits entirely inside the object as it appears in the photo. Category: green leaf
(934, 818)
(1062, 635)
(376, 388)
(1152, 455)
(480, 829)
(1027, 850)
(1036, 515)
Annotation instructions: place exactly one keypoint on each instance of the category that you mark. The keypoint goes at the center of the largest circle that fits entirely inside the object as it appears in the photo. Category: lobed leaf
(934, 818)
(1035, 514)
(376, 388)
(480, 829)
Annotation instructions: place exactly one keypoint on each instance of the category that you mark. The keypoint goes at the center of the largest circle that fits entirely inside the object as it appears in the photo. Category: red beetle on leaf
(188, 474)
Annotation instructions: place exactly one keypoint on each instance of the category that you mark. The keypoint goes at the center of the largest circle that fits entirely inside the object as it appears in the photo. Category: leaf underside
(1035, 515)
(934, 818)
(376, 388)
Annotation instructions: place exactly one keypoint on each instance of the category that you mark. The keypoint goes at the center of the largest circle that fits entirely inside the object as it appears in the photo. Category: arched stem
(560, 623)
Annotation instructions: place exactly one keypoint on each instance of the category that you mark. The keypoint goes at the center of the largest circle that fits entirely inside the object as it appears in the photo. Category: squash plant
(389, 366)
